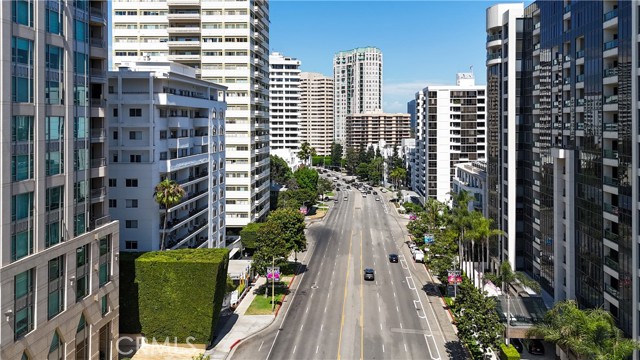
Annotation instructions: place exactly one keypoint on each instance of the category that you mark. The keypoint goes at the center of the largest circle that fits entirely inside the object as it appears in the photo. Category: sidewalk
(239, 326)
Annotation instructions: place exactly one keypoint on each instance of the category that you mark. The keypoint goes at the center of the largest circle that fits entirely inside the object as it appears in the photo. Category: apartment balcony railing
(612, 263)
(580, 78)
(580, 102)
(99, 162)
(567, 8)
(613, 99)
(611, 236)
(610, 72)
(566, 81)
(610, 15)
(97, 42)
(99, 193)
(567, 103)
(579, 54)
(610, 154)
(536, 25)
(611, 291)
(580, 126)
(175, 223)
(101, 221)
(98, 73)
(611, 209)
(495, 55)
(611, 127)
(536, 46)
(611, 44)
(611, 181)
(494, 37)
(97, 15)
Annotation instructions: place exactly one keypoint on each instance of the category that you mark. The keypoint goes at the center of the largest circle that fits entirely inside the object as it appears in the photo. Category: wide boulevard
(333, 313)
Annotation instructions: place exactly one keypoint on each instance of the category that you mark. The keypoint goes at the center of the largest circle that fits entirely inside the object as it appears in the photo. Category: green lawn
(330, 193)
(261, 305)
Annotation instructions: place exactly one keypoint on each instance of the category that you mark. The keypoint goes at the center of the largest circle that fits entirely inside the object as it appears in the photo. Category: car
(326, 198)
(335, 200)
(345, 198)
(369, 274)
(377, 199)
(536, 347)
(383, 191)
(337, 189)
(348, 187)
(517, 344)
(375, 193)
(369, 192)
(393, 258)
(364, 195)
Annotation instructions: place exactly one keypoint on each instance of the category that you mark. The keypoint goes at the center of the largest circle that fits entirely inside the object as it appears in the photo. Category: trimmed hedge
(129, 315)
(509, 352)
(181, 293)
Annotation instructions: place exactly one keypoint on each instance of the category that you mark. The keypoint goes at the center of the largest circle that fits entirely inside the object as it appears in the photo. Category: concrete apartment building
(450, 129)
(284, 107)
(357, 77)
(472, 178)
(316, 111)
(227, 43)
(370, 128)
(165, 123)
(58, 263)
(576, 162)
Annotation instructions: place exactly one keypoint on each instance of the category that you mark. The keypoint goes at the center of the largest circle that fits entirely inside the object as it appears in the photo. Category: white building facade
(472, 178)
(450, 129)
(227, 43)
(59, 272)
(357, 76)
(316, 111)
(165, 123)
(284, 102)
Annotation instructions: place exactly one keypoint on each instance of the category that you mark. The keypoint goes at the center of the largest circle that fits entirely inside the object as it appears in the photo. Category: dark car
(369, 274)
(517, 344)
(536, 347)
(337, 189)
(375, 193)
(393, 258)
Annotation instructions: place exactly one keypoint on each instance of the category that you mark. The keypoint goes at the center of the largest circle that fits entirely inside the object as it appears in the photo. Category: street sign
(273, 273)
(454, 277)
(428, 239)
(304, 210)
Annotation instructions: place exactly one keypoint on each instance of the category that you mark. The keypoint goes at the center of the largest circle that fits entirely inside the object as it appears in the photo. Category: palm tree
(461, 219)
(482, 231)
(305, 152)
(397, 175)
(167, 194)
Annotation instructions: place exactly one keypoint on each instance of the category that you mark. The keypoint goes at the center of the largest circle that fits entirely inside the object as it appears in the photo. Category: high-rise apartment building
(227, 43)
(411, 110)
(284, 103)
(357, 77)
(565, 134)
(165, 123)
(316, 111)
(58, 264)
(367, 129)
(450, 129)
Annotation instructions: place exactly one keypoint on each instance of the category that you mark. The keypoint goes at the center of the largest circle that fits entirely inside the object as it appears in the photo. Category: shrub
(509, 352)
(181, 293)
(129, 313)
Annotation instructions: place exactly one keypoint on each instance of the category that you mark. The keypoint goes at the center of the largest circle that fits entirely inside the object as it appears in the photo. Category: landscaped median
(262, 305)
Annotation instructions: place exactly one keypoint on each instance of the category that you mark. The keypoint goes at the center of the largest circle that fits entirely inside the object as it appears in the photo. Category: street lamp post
(273, 284)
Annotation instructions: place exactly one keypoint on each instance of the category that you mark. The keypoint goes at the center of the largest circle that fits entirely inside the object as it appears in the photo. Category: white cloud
(396, 95)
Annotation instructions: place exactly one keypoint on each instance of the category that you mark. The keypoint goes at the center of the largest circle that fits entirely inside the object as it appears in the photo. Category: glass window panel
(80, 225)
(54, 127)
(81, 127)
(52, 234)
(21, 244)
(81, 30)
(21, 51)
(54, 21)
(80, 63)
(22, 128)
(81, 161)
(21, 206)
(53, 92)
(21, 167)
(54, 60)
(53, 164)
(21, 89)
(22, 12)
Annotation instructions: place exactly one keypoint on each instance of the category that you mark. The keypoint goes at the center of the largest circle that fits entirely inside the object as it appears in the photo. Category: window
(53, 18)
(104, 305)
(135, 112)
(82, 272)
(52, 235)
(81, 159)
(56, 287)
(21, 206)
(23, 304)
(131, 245)
(132, 203)
(113, 182)
(115, 111)
(54, 198)
(56, 349)
(163, 155)
(113, 203)
(22, 155)
(81, 30)
(104, 274)
(131, 224)
(115, 135)
(54, 126)
(21, 244)
(135, 158)
(135, 135)
(22, 12)
(81, 127)
(132, 182)
(80, 224)
(22, 77)
(80, 63)
(82, 340)
(80, 190)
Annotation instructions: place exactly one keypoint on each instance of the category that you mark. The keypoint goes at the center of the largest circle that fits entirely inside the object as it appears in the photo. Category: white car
(364, 195)
(377, 199)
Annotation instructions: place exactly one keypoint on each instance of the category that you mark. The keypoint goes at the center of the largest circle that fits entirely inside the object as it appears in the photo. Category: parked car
(369, 274)
(345, 198)
(375, 193)
(393, 258)
(377, 199)
(536, 347)
(364, 195)
(517, 344)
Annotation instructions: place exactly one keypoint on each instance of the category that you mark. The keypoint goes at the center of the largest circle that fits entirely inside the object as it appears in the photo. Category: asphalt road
(333, 313)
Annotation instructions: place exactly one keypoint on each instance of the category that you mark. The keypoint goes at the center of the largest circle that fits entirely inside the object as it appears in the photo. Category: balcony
(97, 42)
(580, 102)
(176, 223)
(611, 209)
(97, 16)
(191, 16)
(610, 72)
(101, 221)
(183, 57)
(98, 194)
(183, 30)
(579, 54)
(611, 44)
(98, 135)
(184, 44)
(608, 234)
(179, 143)
(201, 122)
(612, 263)
(610, 15)
(580, 78)
(98, 74)
(610, 154)
(183, 2)
(98, 162)
(611, 127)
(611, 291)
(567, 9)
(613, 99)
(178, 122)
(611, 181)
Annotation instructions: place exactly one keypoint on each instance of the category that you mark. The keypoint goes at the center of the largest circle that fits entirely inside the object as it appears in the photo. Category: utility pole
(273, 283)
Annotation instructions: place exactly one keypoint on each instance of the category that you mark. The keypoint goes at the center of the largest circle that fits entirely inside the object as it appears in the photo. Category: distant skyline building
(357, 76)
(372, 128)
(227, 42)
(450, 129)
(316, 111)
(179, 137)
(411, 110)
(59, 274)
(284, 111)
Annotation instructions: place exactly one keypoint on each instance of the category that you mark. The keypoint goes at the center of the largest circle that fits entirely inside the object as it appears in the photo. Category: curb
(285, 295)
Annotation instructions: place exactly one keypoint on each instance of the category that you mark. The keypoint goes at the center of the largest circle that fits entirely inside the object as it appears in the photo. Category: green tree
(324, 186)
(167, 193)
(460, 219)
(292, 224)
(294, 199)
(280, 171)
(306, 151)
(306, 178)
(369, 154)
(352, 160)
(442, 252)
(397, 176)
(506, 276)
(589, 334)
(375, 170)
(336, 154)
(249, 235)
(362, 171)
(483, 231)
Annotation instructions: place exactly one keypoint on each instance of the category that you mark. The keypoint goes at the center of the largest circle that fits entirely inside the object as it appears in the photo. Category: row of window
(24, 285)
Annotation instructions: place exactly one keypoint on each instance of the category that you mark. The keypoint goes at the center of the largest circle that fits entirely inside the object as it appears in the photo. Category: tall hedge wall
(129, 315)
(181, 293)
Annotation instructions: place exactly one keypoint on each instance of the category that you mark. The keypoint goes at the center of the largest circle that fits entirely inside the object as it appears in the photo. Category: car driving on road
(393, 258)
(369, 274)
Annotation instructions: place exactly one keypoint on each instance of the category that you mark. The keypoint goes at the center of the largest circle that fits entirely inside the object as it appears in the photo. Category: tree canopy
(307, 178)
(280, 171)
(249, 235)
(336, 154)
(282, 233)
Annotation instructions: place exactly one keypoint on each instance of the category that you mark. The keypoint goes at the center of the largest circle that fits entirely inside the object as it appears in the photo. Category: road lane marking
(344, 302)
(426, 338)
(411, 283)
(362, 300)
(261, 345)
(394, 293)
(405, 348)
(397, 309)
(321, 327)
(301, 326)
(382, 347)
(307, 310)
(317, 347)
(418, 305)
(295, 346)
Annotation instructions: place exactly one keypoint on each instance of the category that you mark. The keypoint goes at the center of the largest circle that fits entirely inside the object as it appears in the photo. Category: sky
(423, 42)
